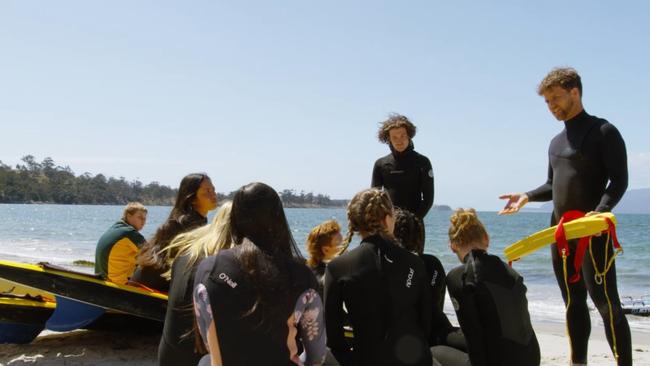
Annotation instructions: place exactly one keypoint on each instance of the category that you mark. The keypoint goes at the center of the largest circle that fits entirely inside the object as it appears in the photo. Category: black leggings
(577, 315)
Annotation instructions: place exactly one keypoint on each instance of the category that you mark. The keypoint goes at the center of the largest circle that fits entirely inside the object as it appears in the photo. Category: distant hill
(635, 201)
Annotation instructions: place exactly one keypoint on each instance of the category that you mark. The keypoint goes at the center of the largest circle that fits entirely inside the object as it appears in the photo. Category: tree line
(46, 182)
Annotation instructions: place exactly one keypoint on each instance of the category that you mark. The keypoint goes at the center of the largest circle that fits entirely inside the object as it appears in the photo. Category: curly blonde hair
(565, 77)
(366, 212)
(395, 121)
(319, 237)
(466, 229)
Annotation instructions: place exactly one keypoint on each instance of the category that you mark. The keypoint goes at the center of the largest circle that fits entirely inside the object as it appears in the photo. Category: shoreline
(82, 347)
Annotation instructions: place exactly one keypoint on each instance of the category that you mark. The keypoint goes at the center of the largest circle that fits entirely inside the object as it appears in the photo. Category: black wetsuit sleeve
(425, 303)
(426, 187)
(334, 320)
(440, 324)
(377, 181)
(470, 322)
(614, 156)
(545, 191)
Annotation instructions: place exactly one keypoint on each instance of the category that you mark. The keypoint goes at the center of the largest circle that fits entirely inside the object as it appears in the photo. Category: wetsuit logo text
(224, 277)
(410, 277)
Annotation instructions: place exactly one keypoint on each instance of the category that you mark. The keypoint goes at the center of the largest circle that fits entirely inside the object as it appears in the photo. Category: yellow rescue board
(578, 228)
(25, 302)
(12, 288)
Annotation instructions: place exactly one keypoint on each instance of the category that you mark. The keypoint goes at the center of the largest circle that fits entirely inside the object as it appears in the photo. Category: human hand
(515, 202)
(593, 213)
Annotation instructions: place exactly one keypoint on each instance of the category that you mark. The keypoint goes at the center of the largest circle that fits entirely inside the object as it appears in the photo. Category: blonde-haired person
(117, 248)
(177, 344)
(490, 302)
(384, 288)
(323, 244)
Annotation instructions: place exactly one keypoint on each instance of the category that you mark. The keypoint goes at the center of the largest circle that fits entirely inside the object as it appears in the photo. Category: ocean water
(61, 234)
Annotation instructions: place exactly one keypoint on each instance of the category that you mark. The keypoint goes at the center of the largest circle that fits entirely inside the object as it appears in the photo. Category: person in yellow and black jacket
(118, 247)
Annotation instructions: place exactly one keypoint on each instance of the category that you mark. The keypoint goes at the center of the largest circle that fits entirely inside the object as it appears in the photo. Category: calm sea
(61, 234)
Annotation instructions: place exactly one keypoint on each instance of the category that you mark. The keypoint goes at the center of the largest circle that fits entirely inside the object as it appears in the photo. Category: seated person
(323, 244)
(177, 343)
(409, 232)
(257, 303)
(384, 288)
(118, 247)
(195, 198)
(490, 301)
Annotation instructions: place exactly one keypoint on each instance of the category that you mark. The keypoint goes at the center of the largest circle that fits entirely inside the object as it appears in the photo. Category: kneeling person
(490, 301)
(117, 248)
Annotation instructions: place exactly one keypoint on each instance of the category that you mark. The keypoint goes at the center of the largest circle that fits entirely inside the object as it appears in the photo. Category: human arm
(425, 302)
(614, 157)
(464, 300)
(334, 320)
(205, 323)
(377, 181)
(121, 261)
(426, 188)
(441, 327)
(311, 323)
(516, 201)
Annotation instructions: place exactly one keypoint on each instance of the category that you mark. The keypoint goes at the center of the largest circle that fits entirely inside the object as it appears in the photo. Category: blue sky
(291, 92)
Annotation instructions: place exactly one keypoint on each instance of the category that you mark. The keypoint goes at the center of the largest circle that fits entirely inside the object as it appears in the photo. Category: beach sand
(111, 349)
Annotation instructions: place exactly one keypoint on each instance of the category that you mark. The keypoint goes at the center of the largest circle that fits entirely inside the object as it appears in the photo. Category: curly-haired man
(587, 172)
(405, 174)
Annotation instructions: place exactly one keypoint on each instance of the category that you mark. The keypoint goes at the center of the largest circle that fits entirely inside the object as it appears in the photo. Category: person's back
(490, 301)
(177, 343)
(245, 339)
(384, 291)
(257, 302)
(115, 254)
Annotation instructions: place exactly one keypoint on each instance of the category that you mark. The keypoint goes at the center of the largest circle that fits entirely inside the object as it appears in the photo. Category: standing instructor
(406, 175)
(587, 172)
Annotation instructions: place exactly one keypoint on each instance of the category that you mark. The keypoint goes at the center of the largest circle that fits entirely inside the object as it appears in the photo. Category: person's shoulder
(430, 258)
(608, 130)
(455, 278)
(421, 157)
(384, 159)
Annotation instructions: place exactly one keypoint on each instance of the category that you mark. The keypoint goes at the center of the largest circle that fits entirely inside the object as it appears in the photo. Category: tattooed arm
(205, 322)
(311, 326)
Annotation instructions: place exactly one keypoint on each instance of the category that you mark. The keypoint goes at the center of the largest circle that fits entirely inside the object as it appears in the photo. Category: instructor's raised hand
(515, 202)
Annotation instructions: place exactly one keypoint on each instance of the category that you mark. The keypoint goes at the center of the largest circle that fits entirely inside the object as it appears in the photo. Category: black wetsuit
(490, 301)
(319, 273)
(248, 339)
(177, 344)
(407, 176)
(588, 172)
(440, 324)
(385, 290)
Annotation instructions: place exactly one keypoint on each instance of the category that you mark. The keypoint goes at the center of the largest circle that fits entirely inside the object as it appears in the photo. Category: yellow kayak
(578, 228)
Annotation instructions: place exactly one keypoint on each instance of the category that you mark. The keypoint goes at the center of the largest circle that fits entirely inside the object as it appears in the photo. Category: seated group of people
(241, 293)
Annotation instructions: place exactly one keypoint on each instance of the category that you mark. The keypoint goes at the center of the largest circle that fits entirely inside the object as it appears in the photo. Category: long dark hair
(182, 218)
(257, 215)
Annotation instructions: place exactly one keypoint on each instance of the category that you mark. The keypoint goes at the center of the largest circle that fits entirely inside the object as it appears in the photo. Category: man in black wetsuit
(406, 175)
(587, 172)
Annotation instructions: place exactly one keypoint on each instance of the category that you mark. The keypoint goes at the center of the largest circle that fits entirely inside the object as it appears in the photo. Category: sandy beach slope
(110, 349)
